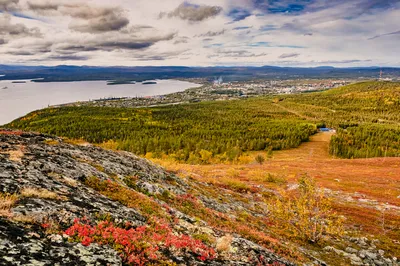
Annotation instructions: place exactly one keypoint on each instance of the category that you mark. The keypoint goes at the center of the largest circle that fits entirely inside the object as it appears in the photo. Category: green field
(365, 115)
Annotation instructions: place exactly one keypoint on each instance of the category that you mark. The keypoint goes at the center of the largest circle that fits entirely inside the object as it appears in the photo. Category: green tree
(260, 159)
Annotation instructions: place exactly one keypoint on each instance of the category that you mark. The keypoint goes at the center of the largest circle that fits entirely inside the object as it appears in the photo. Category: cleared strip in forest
(295, 112)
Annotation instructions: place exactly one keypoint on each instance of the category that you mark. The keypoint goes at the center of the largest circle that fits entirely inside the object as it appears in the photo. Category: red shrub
(11, 132)
(138, 245)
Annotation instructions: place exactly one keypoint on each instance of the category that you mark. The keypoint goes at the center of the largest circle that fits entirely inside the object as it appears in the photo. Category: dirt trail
(315, 149)
(374, 179)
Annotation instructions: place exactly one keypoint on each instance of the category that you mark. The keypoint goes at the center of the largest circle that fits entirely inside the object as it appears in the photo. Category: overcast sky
(340, 33)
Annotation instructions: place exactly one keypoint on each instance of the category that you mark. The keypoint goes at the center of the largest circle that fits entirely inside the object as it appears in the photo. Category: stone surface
(49, 163)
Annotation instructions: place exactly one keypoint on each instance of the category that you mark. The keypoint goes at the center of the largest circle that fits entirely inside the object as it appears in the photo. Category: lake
(19, 99)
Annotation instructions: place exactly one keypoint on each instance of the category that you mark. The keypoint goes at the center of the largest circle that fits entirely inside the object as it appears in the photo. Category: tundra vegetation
(247, 152)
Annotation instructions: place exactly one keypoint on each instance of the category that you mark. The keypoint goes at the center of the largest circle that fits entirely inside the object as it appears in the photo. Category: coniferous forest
(366, 117)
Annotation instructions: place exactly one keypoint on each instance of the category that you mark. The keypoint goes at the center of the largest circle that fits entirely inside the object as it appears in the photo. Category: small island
(120, 82)
(149, 82)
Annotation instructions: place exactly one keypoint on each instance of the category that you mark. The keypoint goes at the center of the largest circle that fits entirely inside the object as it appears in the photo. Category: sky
(298, 33)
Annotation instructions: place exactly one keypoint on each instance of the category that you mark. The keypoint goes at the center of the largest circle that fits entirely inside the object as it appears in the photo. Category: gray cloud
(158, 57)
(18, 30)
(183, 39)
(234, 53)
(91, 19)
(111, 22)
(132, 44)
(111, 43)
(290, 55)
(342, 61)
(32, 48)
(194, 13)
(386, 34)
(68, 58)
(212, 34)
(72, 49)
(8, 5)
(2, 41)
(43, 5)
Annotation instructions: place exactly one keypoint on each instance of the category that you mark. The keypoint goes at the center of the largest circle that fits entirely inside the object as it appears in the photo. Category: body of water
(19, 99)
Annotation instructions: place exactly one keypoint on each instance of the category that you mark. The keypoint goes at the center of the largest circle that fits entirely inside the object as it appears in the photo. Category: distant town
(218, 90)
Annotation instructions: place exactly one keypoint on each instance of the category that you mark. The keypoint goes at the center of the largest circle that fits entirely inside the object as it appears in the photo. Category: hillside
(84, 205)
(47, 185)
(245, 182)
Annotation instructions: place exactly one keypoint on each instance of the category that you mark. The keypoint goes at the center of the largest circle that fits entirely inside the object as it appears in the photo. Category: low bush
(138, 246)
(308, 215)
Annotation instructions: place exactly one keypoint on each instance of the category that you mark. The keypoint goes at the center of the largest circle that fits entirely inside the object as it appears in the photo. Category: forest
(366, 116)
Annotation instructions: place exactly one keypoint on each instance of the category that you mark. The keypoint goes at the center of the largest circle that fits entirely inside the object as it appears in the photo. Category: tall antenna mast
(380, 75)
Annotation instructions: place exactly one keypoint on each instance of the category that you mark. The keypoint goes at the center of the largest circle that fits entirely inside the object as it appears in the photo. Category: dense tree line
(366, 116)
(366, 141)
(190, 133)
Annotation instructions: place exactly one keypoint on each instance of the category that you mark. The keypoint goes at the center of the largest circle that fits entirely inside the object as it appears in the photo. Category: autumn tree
(306, 214)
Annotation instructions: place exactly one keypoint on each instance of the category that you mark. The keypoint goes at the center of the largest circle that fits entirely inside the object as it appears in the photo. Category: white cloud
(100, 32)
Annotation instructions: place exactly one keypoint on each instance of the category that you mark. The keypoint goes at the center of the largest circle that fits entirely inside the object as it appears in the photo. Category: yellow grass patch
(16, 156)
(38, 193)
(26, 219)
(224, 243)
(6, 203)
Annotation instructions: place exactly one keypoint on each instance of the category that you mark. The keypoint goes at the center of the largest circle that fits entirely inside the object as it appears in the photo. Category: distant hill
(77, 73)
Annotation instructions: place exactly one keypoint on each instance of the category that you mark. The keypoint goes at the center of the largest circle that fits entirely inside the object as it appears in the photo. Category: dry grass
(66, 180)
(6, 203)
(376, 178)
(78, 142)
(52, 142)
(26, 219)
(224, 243)
(38, 193)
(16, 156)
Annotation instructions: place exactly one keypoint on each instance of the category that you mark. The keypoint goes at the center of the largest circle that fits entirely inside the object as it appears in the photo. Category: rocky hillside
(67, 204)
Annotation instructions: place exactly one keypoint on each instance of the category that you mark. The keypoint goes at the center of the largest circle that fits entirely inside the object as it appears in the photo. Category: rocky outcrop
(364, 252)
(45, 180)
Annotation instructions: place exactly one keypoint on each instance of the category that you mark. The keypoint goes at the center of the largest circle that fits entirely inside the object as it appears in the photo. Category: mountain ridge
(230, 73)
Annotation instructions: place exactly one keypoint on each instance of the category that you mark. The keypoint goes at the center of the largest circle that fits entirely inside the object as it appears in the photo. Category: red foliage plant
(11, 132)
(138, 245)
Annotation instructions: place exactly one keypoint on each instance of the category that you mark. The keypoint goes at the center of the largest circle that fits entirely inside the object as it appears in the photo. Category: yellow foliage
(245, 159)
(308, 215)
(205, 156)
(149, 155)
(110, 145)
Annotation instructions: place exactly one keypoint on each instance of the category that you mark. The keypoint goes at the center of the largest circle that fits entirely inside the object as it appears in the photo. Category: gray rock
(371, 255)
(362, 253)
(355, 260)
(351, 250)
